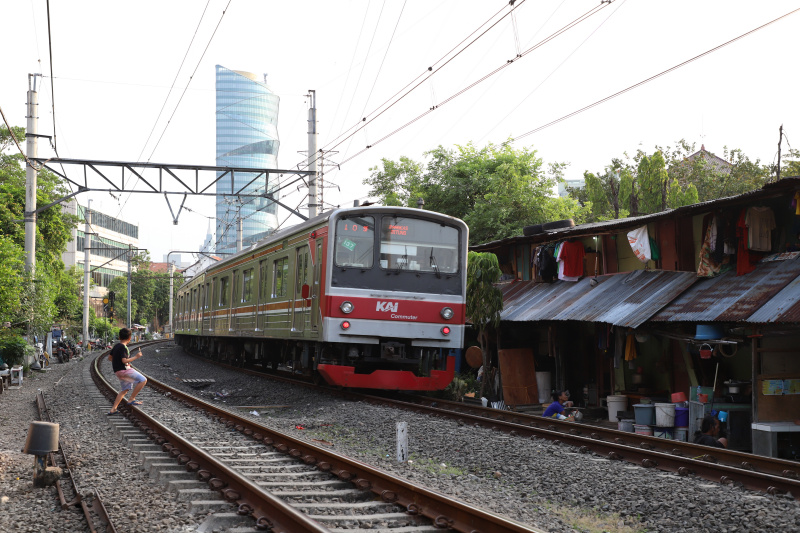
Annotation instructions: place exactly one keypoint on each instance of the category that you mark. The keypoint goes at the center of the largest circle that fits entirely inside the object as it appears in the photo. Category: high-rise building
(247, 136)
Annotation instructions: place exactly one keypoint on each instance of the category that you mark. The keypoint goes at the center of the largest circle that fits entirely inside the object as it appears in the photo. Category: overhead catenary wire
(505, 65)
(651, 78)
(169, 121)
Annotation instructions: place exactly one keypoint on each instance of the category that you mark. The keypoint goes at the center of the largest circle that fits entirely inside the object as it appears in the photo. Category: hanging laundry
(709, 266)
(640, 243)
(760, 223)
(630, 347)
(655, 253)
(561, 258)
(743, 263)
(572, 253)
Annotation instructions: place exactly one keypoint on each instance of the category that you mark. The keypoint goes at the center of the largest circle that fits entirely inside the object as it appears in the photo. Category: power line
(508, 63)
(651, 78)
(182, 95)
(52, 89)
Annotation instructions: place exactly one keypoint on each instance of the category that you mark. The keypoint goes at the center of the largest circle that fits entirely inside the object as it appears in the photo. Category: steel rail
(440, 509)
(754, 472)
(97, 503)
(767, 474)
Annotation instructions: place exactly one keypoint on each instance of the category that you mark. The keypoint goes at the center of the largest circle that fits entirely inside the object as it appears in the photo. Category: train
(365, 297)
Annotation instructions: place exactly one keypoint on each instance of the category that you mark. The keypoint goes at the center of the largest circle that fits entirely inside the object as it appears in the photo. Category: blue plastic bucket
(723, 416)
(645, 414)
(681, 417)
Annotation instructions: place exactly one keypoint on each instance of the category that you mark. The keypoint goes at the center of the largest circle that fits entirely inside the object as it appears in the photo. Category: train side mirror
(305, 290)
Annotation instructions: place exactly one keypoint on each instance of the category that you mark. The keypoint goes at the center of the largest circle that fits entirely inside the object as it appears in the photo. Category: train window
(420, 245)
(237, 287)
(263, 281)
(355, 241)
(224, 289)
(302, 267)
(247, 285)
(280, 277)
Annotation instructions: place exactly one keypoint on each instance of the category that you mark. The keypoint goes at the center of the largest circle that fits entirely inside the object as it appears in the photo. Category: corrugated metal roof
(770, 190)
(621, 299)
(747, 298)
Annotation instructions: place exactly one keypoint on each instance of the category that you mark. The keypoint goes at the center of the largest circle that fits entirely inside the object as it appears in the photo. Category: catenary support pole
(32, 151)
(130, 258)
(312, 155)
(87, 245)
(239, 234)
(171, 293)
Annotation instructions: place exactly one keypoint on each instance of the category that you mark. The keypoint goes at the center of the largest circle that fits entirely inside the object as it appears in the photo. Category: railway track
(273, 482)
(69, 494)
(754, 472)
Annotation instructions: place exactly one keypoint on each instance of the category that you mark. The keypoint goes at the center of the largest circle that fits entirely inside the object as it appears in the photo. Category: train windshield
(418, 245)
(355, 242)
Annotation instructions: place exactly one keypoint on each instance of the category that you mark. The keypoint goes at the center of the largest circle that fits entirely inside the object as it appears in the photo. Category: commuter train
(364, 297)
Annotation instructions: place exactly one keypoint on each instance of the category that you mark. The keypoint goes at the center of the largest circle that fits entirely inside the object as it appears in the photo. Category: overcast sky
(114, 64)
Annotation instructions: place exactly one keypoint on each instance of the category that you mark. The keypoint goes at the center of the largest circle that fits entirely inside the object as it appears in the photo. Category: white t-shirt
(760, 223)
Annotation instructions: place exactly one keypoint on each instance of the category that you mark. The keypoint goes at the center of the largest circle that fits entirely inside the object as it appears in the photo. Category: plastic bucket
(678, 397)
(722, 416)
(702, 398)
(641, 429)
(625, 425)
(615, 404)
(543, 384)
(645, 414)
(681, 417)
(681, 434)
(665, 415)
(663, 433)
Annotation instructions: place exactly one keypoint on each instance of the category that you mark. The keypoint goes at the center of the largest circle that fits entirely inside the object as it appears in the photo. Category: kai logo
(387, 306)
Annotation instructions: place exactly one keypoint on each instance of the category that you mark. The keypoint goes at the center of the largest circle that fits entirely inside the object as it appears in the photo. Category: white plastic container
(615, 404)
(543, 384)
(665, 415)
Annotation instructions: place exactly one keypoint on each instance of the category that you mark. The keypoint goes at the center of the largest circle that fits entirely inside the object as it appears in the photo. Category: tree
(484, 303)
(496, 190)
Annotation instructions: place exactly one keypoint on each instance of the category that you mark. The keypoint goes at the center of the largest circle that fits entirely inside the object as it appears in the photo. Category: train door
(315, 287)
(263, 295)
(236, 300)
(300, 310)
(201, 295)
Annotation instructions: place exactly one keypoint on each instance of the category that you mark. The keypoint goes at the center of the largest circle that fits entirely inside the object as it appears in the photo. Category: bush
(12, 349)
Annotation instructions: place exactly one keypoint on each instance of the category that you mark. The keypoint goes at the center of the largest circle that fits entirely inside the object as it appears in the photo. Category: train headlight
(346, 307)
(446, 330)
(446, 313)
(346, 324)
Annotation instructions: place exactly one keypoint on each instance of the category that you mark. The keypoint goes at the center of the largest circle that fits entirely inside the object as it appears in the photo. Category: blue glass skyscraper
(247, 136)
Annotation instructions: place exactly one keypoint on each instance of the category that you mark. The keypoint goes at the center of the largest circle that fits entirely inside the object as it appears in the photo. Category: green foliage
(12, 347)
(496, 190)
(12, 277)
(484, 300)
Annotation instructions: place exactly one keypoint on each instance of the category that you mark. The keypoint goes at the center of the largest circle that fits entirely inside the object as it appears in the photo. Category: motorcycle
(63, 352)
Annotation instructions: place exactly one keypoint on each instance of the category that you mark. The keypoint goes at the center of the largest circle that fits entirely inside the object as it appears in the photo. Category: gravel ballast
(548, 486)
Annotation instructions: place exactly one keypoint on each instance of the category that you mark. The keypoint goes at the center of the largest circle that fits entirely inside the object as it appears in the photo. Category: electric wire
(427, 73)
(352, 60)
(174, 81)
(651, 78)
(52, 88)
(553, 71)
(169, 121)
(544, 41)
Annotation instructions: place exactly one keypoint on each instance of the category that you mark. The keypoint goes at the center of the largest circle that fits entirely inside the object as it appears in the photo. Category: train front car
(395, 299)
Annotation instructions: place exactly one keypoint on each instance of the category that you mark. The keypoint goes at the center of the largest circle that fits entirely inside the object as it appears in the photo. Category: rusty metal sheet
(627, 299)
(784, 307)
(731, 298)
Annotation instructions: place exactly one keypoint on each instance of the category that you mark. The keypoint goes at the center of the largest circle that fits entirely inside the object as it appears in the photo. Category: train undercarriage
(389, 365)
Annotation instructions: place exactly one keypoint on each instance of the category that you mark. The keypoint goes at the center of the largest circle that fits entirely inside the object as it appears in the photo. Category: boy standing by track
(120, 361)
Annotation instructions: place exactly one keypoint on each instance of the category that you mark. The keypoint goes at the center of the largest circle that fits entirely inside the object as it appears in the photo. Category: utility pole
(312, 155)
(87, 244)
(32, 150)
(239, 232)
(171, 289)
(130, 256)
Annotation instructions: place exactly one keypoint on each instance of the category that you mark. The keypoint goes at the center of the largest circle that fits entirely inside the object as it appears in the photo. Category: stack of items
(681, 416)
